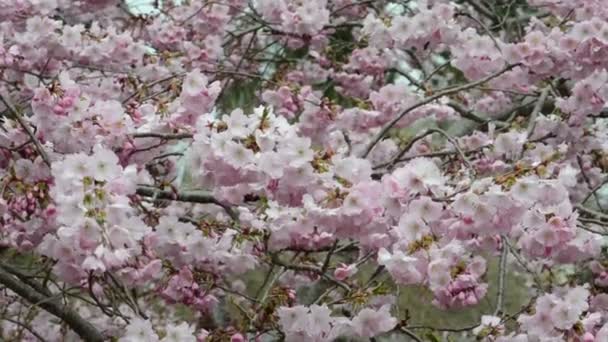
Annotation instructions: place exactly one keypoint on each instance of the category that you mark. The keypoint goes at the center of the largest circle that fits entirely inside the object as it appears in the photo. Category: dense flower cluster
(265, 170)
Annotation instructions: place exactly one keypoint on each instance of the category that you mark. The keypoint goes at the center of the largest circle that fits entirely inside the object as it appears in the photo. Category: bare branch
(164, 136)
(430, 99)
(410, 334)
(463, 329)
(594, 190)
(27, 130)
(24, 326)
(590, 212)
(502, 270)
(537, 108)
(591, 230)
(429, 131)
(481, 9)
(308, 268)
(467, 114)
(186, 196)
(82, 327)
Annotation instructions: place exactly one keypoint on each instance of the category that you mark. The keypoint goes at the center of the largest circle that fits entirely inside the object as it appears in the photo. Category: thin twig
(151, 84)
(324, 294)
(484, 27)
(436, 70)
(410, 334)
(594, 190)
(25, 326)
(483, 11)
(430, 131)
(163, 136)
(267, 278)
(236, 293)
(328, 257)
(454, 143)
(80, 326)
(456, 330)
(501, 278)
(591, 230)
(407, 147)
(376, 273)
(312, 269)
(537, 108)
(409, 77)
(430, 99)
(273, 278)
(523, 264)
(27, 130)
(467, 114)
(588, 211)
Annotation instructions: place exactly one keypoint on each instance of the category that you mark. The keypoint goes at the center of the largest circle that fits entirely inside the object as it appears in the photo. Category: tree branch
(590, 212)
(430, 99)
(312, 269)
(467, 114)
(502, 270)
(537, 108)
(481, 9)
(163, 136)
(522, 263)
(417, 138)
(83, 328)
(27, 130)
(591, 230)
(186, 196)
(410, 334)
(594, 190)
(24, 326)
(26, 279)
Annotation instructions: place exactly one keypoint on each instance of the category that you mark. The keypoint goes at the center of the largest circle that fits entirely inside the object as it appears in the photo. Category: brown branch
(594, 190)
(430, 99)
(163, 136)
(537, 108)
(24, 326)
(186, 196)
(145, 86)
(26, 279)
(456, 330)
(481, 9)
(417, 138)
(523, 264)
(591, 212)
(591, 230)
(502, 270)
(27, 130)
(308, 268)
(82, 327)
(411, 334)
(467, 114)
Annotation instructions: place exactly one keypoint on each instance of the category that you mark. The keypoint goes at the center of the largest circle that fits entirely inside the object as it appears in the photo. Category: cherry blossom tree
(269, 170)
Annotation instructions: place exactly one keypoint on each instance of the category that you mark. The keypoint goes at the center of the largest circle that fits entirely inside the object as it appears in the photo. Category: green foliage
(415, 299)
(240, 94)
